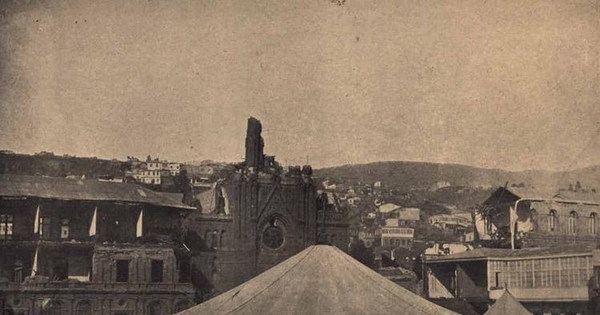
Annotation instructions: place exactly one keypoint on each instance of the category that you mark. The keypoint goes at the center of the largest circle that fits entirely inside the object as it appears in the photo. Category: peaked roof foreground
(319, 280)
(507, 305)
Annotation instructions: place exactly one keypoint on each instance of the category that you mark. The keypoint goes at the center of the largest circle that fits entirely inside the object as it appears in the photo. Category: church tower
(254, 144)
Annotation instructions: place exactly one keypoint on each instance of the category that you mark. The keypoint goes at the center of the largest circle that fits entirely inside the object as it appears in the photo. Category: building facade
(544, 280)
(538, 217)
(70, 246)
(258, 217)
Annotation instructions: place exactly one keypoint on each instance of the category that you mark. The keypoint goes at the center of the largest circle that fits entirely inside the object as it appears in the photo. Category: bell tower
(254, 144)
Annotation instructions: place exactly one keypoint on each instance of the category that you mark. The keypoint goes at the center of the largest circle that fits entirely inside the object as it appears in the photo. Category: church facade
(257, 217)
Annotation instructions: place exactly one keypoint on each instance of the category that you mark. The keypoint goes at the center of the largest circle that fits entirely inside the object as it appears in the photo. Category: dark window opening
(122, 271)
(60, 270)
(18, 272)
(84, 308)
(45, 228)
(52, 308)
(498, 280)
(155, 308)
(156, 274)
(185, 271)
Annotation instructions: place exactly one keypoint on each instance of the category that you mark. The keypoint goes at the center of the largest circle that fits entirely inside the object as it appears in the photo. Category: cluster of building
(153, 171)
(389, 227)
(551, 264)
(83, 246)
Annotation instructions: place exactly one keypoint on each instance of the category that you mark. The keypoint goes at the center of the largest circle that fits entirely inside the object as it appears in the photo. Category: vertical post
(513, 221)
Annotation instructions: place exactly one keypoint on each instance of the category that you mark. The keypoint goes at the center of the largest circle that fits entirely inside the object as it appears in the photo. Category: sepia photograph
(260, 157)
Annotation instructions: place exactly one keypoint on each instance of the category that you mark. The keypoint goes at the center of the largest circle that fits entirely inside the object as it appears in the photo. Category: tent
(507, 304)
(319, 280)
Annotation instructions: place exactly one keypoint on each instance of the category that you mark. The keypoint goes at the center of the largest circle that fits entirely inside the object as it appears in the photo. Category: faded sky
(498, 84)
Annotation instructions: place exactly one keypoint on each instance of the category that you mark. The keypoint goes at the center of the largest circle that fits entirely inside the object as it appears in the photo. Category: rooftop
(19, 186)
(502, 253)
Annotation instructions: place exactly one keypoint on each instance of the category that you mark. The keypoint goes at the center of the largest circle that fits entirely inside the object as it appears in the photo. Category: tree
(577, 186)
(362, 253)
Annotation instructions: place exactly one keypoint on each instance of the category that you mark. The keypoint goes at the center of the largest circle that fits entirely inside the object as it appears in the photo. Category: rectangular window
(64, 228)
(156, 273)
(122, 270)
(45, 228)
(498, 280)
(6, 226)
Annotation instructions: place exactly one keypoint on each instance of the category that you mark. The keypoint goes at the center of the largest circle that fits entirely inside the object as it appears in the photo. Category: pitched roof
(82, 189)
(553, 194)
(409, 214)
(507, 304)
(388, 207)
(319, 280)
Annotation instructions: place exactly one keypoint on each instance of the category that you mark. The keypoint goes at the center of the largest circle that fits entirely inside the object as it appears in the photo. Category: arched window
(534, 219)
(84, 308)
(222, 239)
(215, 241)
(208, 238)
(552, 220)
(571, 223)
(155, 308)
(52, 308)
(592, 223)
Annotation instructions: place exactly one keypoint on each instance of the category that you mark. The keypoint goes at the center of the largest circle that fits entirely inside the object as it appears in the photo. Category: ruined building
(258, 217)
(70, 246)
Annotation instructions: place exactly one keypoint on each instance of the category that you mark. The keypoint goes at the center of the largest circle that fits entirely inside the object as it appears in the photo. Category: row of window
(214, 239)
(561, 272)
(156, 270)
(55, 307)
(395, 241)
(572, 222)
(44, 224)
(552, 222)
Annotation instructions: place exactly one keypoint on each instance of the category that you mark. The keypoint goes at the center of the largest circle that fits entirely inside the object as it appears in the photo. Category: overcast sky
(495, 84)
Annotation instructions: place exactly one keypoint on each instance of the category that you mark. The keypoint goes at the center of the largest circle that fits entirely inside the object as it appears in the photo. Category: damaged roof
(83, 189)
(548, 194)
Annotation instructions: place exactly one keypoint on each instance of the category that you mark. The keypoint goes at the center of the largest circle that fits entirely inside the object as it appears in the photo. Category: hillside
(420, 175)
(47, 164)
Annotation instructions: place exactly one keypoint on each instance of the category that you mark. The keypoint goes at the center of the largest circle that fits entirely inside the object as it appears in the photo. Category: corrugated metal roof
(319, 280)
(500, 253)
(82, 189)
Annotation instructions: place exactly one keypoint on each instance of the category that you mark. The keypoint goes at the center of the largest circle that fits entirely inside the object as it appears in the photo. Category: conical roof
(319, 280)
(507, 304)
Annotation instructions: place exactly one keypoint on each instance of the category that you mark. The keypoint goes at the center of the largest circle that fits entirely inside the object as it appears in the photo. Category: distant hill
(48, 164)
(421, 175)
